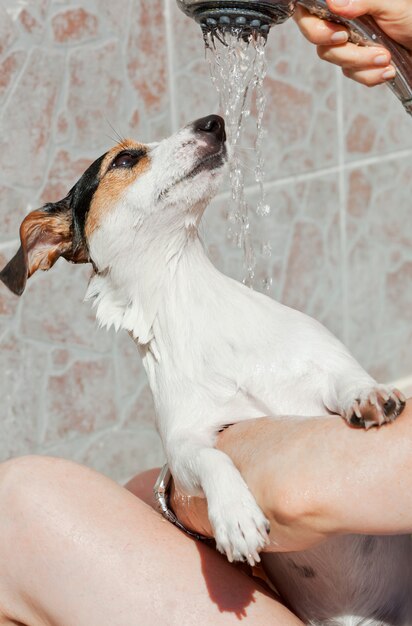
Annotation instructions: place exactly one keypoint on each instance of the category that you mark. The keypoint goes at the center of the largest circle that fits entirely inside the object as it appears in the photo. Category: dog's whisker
(114, 139)
(120, 138)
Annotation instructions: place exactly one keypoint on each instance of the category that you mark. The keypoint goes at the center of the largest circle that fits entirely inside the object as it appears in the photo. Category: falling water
(238, 68)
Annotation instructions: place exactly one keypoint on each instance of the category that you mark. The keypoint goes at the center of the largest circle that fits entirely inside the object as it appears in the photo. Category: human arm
(316, 478)
(368, 65)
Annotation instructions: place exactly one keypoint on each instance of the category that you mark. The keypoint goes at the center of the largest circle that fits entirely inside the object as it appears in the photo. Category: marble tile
(130, 374)
(301, 118)
(31, 19)
(8, 29)
(375, 122)
(123, 454)
(15, 203)
(96, 93)
(147, 56)
(22, 383)
(112, 21)
(140, 413)
(80, 400)
(25, 122)
(53, 310)
(8, 301)
(63, 174)
(10, 68)
(74, 25)
(379, 260)
(297, 246)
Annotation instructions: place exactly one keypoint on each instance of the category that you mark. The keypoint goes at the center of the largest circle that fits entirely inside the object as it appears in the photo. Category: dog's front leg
(239, 526)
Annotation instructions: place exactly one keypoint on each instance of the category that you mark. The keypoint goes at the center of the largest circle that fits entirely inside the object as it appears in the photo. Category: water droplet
(263, 209)
(267, 283)
(266, 249)
(238, 68)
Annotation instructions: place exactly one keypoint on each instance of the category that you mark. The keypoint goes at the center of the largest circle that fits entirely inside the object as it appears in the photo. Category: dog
(215, 353)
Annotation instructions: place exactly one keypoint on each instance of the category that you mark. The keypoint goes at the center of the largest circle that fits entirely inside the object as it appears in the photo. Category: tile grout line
(327, 171)
(342, 207)
(174, 118)
(379, 158)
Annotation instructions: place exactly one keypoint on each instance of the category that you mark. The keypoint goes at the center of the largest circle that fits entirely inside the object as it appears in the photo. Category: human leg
(76, 549)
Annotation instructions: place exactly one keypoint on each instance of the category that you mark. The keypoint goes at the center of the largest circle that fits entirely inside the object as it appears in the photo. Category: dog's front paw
(240, 529)
(376, 406)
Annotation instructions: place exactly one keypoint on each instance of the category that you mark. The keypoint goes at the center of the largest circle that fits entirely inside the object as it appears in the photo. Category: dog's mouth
(209, 162)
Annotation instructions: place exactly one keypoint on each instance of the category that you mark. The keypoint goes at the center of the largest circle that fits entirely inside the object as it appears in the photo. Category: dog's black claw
(357, 422)
(389, 408)
(400, 408)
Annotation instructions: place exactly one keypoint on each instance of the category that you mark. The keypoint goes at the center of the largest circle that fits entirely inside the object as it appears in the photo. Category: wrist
(191, 512)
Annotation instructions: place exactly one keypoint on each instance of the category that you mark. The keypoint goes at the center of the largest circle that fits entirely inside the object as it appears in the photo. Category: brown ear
(46, 234)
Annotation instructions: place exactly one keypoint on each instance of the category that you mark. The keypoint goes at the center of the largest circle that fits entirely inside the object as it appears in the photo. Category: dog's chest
(221, 349)
(229, 381)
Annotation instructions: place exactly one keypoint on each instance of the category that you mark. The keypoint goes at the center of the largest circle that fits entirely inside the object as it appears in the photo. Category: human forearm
(262, 450)
(317, 477)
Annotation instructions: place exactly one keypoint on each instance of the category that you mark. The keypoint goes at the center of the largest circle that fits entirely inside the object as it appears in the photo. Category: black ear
(14, 275)
(45, 234)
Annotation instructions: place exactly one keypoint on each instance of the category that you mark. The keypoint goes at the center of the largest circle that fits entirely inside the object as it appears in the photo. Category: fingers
(352, 57)
(377, 8)
(371, 78)
(393, 16)
(367, 65)
(317, 31)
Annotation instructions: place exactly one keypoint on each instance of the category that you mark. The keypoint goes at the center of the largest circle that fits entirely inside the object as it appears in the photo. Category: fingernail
(389, 73)
(341, 3)
(381, 59)
(340, 37)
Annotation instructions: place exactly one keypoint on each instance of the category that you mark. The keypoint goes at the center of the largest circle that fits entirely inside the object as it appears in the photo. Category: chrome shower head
(245, 16)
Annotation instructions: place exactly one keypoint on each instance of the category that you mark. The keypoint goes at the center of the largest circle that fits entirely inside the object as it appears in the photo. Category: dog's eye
(126, 159)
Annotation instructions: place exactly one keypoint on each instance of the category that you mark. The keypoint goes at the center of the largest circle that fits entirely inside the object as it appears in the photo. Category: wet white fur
(216, 352)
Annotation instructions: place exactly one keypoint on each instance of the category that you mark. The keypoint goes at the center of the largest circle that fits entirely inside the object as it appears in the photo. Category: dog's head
(119, 194)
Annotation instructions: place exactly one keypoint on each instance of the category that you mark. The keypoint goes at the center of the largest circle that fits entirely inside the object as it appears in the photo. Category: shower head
(245, 16)
(250, 17)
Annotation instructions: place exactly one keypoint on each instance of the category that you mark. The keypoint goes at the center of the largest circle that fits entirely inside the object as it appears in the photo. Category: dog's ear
(45, 235)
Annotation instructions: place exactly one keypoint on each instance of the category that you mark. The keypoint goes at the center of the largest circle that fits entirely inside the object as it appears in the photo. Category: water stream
(238, 69)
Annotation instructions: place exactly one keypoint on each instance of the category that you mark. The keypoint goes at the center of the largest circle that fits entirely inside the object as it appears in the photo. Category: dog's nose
(213, 125)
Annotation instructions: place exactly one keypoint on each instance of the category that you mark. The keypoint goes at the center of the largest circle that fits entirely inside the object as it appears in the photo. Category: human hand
(369, 65)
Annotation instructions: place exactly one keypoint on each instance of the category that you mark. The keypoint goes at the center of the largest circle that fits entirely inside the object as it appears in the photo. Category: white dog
(215, 353)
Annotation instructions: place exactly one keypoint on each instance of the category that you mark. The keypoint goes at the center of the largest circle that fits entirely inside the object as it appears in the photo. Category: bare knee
(27, 478)
(35, 497)
(46, 499)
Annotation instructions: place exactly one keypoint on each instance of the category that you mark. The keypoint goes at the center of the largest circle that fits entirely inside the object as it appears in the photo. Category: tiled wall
(339, 170)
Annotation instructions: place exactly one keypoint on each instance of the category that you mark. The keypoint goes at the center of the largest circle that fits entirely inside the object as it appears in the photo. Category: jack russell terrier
(215, 353)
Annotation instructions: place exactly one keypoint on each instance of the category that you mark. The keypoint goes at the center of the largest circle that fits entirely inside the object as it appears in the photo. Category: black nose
(212, 124)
